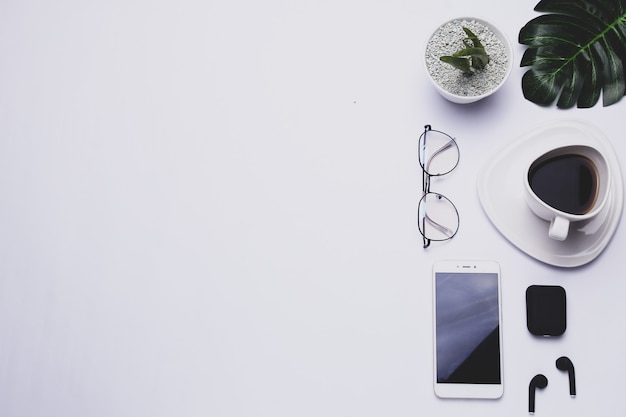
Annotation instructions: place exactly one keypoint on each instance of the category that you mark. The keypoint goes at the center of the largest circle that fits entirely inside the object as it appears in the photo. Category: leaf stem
(619, 21)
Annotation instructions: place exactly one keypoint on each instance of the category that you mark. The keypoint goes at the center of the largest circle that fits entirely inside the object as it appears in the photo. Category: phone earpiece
(565, 364)
(538, 381)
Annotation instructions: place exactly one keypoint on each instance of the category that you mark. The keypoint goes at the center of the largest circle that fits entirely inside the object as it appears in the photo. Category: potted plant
(468, 59)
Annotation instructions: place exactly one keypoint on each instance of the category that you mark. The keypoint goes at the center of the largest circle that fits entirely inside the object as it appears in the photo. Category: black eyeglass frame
(426, 177)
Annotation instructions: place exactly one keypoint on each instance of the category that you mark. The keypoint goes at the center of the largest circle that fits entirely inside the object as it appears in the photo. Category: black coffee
(566, 182)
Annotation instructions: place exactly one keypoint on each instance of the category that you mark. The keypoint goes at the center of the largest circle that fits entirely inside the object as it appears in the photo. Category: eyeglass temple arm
(448, 145)
(426, 240)
(443, 229)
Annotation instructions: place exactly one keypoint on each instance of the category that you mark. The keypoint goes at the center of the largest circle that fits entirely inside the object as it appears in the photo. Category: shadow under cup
(567, 184)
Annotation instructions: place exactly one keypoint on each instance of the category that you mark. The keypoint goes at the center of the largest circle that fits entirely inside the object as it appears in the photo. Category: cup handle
(559, 227)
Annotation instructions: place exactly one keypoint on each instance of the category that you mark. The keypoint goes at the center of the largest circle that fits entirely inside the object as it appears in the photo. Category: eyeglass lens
(438, 153)
(438, 217)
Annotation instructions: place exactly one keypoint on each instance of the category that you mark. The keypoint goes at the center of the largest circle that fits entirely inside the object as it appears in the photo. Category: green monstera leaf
(577, 53)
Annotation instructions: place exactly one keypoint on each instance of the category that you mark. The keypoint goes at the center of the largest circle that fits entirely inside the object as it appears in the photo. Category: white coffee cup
(567, 185)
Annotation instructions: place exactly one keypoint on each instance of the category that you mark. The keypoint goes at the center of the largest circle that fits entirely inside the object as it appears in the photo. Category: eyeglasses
(437, 217)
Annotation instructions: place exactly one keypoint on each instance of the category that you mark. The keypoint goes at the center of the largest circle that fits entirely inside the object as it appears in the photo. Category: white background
(209, 209)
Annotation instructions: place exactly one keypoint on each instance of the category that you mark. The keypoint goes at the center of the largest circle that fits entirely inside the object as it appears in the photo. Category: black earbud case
(546, 310)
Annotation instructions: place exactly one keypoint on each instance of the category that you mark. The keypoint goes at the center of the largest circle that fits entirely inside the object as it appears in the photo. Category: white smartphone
(467, 329)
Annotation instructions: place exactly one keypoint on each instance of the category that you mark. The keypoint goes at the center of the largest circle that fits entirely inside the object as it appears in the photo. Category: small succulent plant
(471, 58)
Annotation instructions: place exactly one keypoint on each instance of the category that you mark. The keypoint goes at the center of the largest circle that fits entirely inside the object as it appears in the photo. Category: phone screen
(467, 328)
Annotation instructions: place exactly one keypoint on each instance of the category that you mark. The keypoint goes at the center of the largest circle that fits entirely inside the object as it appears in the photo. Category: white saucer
(501, 192)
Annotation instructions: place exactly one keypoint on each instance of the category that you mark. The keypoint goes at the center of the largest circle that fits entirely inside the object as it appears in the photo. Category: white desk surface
(208, 209)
